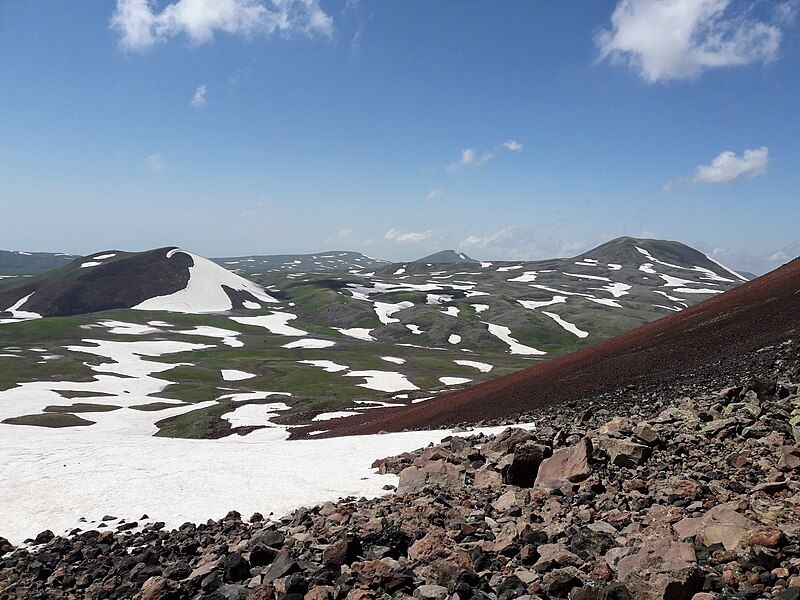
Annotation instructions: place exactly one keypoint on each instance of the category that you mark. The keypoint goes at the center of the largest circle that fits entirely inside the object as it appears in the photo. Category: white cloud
(472, 158)
(434, 194)
(679, 39)
(726, 167)
(344, 233)
(141, 25)
(524, 243)
(784, 255)
(155, 162)
(753, 261)
(499, 237)
(355, 41)
(199, 97)
(411, 237)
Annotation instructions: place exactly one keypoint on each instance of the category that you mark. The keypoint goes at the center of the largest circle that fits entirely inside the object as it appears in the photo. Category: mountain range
(334, 332)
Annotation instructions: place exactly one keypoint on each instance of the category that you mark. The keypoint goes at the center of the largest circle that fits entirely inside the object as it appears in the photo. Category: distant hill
(163, 279)
(330, 261)
(16, 263)
(446, 257)
(626, 249)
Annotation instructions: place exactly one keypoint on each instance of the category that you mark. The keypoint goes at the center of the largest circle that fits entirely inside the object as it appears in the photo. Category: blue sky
(508, 130)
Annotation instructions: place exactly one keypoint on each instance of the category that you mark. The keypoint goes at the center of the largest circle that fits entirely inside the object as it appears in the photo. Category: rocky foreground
(685, 489)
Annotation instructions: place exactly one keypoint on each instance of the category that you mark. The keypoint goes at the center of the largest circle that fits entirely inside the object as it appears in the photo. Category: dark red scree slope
(744, 318)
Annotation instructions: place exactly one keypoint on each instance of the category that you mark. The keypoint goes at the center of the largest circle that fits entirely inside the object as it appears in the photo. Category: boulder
(720, 525)
(506, 441)
(429, 545)
(341, 552)
(623, 452)
(567, 466)
(646, 433)
(157, 588)
(560, 582)
(44, 537)
(438, 473)
(663, 569)
(521, 470)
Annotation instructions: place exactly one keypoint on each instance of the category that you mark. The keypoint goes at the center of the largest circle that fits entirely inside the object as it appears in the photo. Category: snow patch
(309, 343)
(504, 333)
(235, 375)
(481, 366)
(454, 380)
(326, 365)
(394, 359)
(571, 327)
(383, 381)
(275, 323)
(204, 291)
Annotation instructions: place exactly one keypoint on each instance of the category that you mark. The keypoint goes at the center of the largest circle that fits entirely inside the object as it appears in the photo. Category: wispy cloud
(141, 25)
(434, 194)
(355, 41)
(726, 167)
(155, 162)
(472, 158)
(199, 97)
(524, 243)
(410, 237)
(679, 39)
(758, 262)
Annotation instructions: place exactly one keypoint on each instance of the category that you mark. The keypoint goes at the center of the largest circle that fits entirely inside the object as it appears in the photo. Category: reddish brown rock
(567, 466)
(663, 569)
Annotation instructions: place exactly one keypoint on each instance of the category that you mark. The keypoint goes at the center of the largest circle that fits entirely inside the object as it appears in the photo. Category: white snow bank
(383, 381)
(615, 289)
(394, 359)
(454, 338)
(309, 343)
(684, 290)
(571, 327)
(729, 270)
(454, 380)
(504, 333)
(227, 336)
(274, 323)
(204, 291)
(49, 480)
(255, 415)
(123, 328)
(326, 365)
(235, 375)
(481, 366)
(526, 277)
(583, 276)
(534, 304)
(359, 333)
(337, 414)
(20, 315)
(384, 310)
